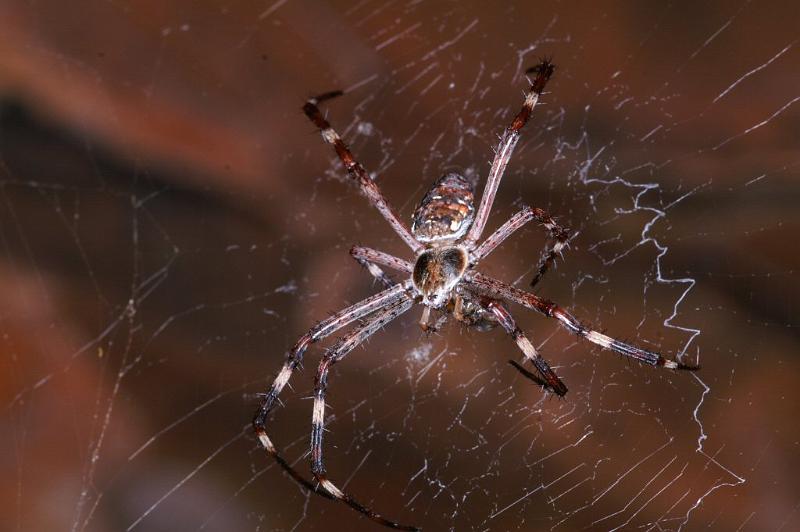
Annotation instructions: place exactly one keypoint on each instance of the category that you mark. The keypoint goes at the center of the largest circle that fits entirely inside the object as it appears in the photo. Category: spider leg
(337, 352)
(354, 168)
(294, 358)
(506, 147)
(549, 377)
(528, 374)
(497, 289)
(559, 238)
(425, 321)
(374, 270)
(371, 258)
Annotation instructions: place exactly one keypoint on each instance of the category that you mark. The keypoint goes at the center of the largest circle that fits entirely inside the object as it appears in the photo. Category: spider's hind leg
(354, 169)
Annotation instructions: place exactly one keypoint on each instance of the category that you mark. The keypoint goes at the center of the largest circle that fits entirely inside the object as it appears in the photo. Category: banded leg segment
(559, 237)
(354, 169)
(506, 147)
(497, 289)
(370, 259)
(551, 380)
(337, 352)
(295, 357)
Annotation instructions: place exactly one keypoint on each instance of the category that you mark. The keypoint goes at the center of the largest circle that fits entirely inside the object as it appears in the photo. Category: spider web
(170, 224)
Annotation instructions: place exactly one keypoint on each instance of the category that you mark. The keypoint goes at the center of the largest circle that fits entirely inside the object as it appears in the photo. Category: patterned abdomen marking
(446, 211)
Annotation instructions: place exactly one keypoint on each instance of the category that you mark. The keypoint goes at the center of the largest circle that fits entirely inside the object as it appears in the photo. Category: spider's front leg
(337, 352)
(295, 357)
(548, 377)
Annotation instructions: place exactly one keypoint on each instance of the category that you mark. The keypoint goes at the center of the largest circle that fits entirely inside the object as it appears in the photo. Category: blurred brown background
(170, 223)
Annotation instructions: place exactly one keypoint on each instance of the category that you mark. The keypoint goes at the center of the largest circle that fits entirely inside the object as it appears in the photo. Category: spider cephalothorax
(444, 238)
(437, 271)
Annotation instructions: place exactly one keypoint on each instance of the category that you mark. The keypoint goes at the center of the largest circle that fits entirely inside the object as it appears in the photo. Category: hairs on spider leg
(544, 71)
(527, 373)
(545, 61)
(535, 378)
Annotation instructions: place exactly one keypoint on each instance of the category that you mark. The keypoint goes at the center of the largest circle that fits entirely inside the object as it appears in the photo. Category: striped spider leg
(549, 379)
(508, 141)
(497, 289)
(371, 259)
(337, 352)
(354, 168)
(443, 237)
(294, 359)
(559, 238)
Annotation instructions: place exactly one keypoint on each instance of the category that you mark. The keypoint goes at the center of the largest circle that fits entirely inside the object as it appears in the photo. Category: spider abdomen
(446, 211)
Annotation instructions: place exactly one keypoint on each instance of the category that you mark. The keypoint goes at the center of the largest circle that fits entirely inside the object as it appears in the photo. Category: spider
(444, 239)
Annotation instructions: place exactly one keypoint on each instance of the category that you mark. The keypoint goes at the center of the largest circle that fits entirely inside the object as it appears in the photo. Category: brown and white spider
(444, 239)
